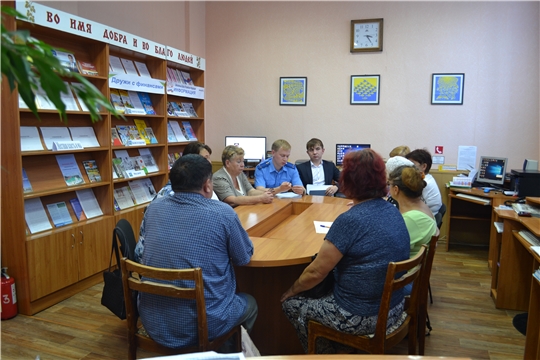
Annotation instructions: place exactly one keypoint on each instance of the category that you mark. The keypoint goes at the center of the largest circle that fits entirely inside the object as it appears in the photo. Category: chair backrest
(124, 234)
(423, 292)
(412, 269)
(440, 215)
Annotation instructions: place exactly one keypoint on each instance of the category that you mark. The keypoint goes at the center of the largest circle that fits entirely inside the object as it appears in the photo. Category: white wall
(249, 45)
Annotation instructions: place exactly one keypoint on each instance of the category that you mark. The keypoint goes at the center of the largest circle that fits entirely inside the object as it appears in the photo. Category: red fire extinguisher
(9, 296)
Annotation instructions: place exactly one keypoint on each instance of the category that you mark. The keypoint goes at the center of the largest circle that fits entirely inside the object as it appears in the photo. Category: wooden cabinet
(52, 265)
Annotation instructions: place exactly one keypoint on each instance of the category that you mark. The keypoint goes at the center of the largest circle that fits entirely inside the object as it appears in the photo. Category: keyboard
(530, 237)
(475, 198)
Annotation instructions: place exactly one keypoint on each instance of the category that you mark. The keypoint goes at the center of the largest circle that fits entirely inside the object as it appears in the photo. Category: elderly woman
(231, 184)
(359, 245)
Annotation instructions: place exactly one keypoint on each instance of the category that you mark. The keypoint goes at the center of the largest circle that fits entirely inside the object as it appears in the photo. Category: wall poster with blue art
(447, 89)
(365, 89)
(293, 90)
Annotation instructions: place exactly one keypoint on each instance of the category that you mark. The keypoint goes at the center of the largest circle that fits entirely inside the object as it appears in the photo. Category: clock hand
(369, 38)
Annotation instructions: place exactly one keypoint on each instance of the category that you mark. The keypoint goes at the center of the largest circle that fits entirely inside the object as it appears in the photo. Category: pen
(325, 226)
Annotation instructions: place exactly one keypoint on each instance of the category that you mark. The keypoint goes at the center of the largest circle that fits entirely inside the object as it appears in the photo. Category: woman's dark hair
(421, 156)
(195, 148)
(409, 180)
(363, 176)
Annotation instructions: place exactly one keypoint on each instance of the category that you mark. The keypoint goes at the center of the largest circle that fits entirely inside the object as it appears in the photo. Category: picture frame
(447, 88)
(293, 91)
(365, 89)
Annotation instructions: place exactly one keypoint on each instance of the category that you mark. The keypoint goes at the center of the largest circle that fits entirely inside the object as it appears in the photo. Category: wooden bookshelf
(51, 265)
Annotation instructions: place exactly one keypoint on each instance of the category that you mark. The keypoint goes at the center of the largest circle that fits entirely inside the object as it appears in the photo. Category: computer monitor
(343, 149)
(254, 146)
(491, 170)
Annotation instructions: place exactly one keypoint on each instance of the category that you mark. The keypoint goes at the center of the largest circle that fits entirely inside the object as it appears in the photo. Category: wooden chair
(131, 274)
(423, 319)
(378, 342)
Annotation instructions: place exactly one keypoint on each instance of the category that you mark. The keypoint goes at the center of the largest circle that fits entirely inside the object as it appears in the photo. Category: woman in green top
(405, 186)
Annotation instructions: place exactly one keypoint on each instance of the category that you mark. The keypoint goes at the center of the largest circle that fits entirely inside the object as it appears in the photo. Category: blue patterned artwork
(365, 89)
(447, 89)
(293, 91)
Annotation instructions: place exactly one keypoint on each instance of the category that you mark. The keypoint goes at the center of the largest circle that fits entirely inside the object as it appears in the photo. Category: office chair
(132, 272)
(380, 341)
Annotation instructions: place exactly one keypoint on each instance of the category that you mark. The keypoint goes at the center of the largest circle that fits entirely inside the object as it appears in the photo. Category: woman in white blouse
(231, 184)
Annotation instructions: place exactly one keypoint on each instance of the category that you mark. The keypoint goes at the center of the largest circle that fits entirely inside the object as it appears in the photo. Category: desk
(284, 238)
(352, 357)
(512, 284)
(469, 221)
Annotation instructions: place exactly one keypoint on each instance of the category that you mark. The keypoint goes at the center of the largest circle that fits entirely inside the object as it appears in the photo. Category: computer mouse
(487, 190)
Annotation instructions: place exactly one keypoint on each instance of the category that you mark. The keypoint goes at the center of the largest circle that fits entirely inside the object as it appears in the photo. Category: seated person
(392, 164)
(431, 194)
(231, 184)
(400, 151)
(318, 171)
(406, 184)
(188, 230)
(276, 173)
(359, 245)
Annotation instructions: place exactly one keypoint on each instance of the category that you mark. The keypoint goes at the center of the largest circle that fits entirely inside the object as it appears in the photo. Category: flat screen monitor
(491, 170)
(343, 149)
(254, 146)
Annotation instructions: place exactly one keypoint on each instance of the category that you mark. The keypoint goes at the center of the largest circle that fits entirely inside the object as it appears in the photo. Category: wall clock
(366, 35)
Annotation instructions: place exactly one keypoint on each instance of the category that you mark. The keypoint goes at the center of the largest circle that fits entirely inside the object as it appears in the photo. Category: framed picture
(292, 90)
(365, 89)
(447, 89)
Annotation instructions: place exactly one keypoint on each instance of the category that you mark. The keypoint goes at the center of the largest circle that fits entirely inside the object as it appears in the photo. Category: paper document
(466, 157)
(312, 187)
(288, 195)
(322, 227)
(208, 355)
(35, 216)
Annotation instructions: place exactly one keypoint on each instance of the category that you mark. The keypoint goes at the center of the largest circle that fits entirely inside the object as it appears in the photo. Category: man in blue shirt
(186, 230)
(276, 173)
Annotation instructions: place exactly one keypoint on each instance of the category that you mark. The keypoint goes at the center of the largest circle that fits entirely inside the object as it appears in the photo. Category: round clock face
(366, 35)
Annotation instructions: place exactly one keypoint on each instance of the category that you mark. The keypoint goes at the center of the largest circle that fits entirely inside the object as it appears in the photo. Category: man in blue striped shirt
(188, 230)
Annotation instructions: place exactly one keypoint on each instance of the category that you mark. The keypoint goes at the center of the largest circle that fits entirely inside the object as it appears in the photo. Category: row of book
(85, 206)
(172, 157)
(31, 140)
(180, 131)
(125, 166)
(175, 108)
(132, 102)
(126, 134)
(69, 98)
(137, 192)
(119, 65)
(179, 77)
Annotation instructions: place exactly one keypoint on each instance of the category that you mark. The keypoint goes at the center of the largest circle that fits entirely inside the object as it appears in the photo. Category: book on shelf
(129, 67)
(70, 169)
(84, 134)
(170, 109)
(59, 214)
(80, 87)
(172, 75)
(140, 192)
(123, 133)
(87, 68)
(149, 160)
(92, 170)
(126, 101)
(189, 131)
(135, 101)
(42, 100)
(179, 132)
(123, 197)
(151, 135)
(77, 209)
(67, 60)
(22, 104)
(115, 65)
(35, 216)
(69, 99)
(118, 168)
(179, 109)
(141, 127)
(116, 101)
(89, 203)
(146, 103)
(186, 76)
(179, 77)
(172, 157)
(116, 207)
(134, 133)
(115, 138)
(188, 107)
(170, 134)
(143, 69)
(52, 134)
(129, 164)
(30, 140)
(27, 187)
(139, 164)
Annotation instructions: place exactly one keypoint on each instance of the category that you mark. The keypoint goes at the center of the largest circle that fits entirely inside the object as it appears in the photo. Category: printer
(525, 182)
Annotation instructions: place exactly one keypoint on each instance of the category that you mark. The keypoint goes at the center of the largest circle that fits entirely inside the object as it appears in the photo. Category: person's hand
(350, 204)
(298, 189)
(285, 186)
(287, 294)
(267, 197)
(331, 190)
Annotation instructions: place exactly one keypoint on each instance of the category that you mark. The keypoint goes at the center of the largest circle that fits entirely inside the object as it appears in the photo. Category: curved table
(284, 238)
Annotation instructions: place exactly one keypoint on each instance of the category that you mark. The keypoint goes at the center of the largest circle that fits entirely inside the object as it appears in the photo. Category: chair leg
(428, 325)
(430, 297)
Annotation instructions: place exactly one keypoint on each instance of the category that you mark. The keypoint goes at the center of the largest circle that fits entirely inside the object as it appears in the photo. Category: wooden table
(284, 238)
(352, 357)
(512, 284)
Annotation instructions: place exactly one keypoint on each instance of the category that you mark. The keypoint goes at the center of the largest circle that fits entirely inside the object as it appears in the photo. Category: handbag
(321, 289)
(113, 291)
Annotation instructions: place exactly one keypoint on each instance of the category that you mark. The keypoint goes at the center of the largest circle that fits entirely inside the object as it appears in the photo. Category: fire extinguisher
(9, 296)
